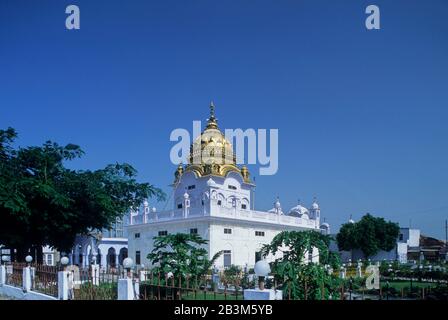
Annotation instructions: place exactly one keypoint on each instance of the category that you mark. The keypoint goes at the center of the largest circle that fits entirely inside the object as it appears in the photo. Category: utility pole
(446, 233)
(446, 239)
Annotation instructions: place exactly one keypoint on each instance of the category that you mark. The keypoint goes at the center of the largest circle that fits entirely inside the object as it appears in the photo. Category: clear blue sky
(362, 115)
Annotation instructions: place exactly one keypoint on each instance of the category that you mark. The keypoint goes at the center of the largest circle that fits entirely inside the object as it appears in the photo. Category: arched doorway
(80, 257)
(111, 257)
(123, 255)
(98, 257)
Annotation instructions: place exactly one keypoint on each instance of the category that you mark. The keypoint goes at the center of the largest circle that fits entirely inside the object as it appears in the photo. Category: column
(104, 260)
(2, 275)
(95, 259)
(95, 270)
(26, 279)
(63, 285)
(128, 289)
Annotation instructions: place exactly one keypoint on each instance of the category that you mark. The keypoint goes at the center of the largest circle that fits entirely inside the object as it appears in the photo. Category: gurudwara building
(213, 198)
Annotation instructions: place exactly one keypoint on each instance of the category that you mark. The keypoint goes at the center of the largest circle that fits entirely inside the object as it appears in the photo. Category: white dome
(186, 196)
(325, 226)
(299, 211)
(351, 221)
(315, 205)
(145, 203)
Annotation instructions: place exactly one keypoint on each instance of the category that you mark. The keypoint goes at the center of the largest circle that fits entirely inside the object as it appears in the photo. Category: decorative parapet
(233, 213)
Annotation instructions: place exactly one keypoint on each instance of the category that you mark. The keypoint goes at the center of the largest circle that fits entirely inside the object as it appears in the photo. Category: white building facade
(214, 199)
(407, 239)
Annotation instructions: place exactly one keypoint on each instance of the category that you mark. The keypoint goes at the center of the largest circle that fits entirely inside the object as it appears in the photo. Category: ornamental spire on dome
(351, 220)
(212, 122)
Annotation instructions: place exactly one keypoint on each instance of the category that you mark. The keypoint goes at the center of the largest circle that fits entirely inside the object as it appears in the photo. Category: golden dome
(212, 154)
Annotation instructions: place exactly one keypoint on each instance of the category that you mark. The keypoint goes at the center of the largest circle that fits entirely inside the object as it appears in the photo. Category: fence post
(2, 275)
(26, 279)
(63, 285)
(143, 275)
(136, 286)
(95, 274)
(125, 289)
(33, 277)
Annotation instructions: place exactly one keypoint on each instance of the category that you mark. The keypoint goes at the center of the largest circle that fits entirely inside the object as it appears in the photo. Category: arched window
(123, 255)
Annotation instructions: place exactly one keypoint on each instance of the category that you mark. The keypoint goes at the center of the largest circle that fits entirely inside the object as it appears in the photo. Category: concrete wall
(17, 293)
(399, 253)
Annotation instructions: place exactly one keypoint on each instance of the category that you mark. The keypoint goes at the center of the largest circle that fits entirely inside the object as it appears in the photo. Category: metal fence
(14, 274)
(95, 284)
(44, 279)
(155, 286)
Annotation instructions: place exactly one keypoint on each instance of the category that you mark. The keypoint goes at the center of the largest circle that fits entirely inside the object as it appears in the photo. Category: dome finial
(212, 122)
(212, 109)
(351, 220)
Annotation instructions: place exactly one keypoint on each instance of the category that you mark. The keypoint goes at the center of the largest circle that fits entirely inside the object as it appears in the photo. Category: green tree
(370, 235)
(181, 254)
(44, 203)
(232, 275)
(298, 278)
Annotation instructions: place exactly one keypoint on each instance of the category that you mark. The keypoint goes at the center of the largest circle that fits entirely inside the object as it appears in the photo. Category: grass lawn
(211, 296)
(169, 294)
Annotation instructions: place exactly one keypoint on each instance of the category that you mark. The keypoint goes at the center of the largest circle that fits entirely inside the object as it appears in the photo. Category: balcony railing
(219, 211)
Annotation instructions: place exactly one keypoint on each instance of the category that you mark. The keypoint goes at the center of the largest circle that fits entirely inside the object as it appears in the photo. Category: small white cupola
(211, 182)
(299, 211)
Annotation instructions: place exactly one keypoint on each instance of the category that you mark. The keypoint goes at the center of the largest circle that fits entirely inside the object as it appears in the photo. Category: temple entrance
(111, 257)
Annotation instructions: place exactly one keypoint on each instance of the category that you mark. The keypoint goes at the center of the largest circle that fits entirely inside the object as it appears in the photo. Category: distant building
(427, 248)
(108, 247)
(407, 239)
(50, 256)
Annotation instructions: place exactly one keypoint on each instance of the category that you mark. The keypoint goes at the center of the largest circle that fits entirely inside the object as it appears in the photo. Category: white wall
(17, 293)
(410, 236)
(242, 242)
(145, 243)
